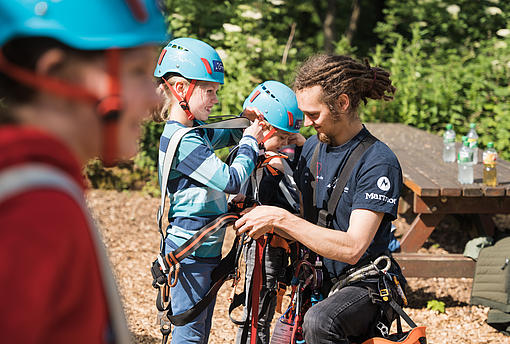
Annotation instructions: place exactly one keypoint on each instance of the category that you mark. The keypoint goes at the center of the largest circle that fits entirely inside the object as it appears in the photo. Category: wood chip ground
(128, 225)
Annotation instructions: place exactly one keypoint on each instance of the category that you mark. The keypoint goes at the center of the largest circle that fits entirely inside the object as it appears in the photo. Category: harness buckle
(184, 105)
(383, 329)
(165, 325)
(384, 293)
(324, 219)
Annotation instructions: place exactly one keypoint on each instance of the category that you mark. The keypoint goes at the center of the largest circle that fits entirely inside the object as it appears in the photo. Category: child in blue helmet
(272, 184)
(74, 85)
(190, 73)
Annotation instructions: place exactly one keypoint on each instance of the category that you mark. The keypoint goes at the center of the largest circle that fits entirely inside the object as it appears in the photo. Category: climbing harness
(376, 271)
(306, 285)
(324, 217)
(165, 269)
(251, 296)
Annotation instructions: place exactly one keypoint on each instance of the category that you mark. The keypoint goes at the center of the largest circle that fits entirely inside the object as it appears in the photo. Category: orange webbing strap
(173, 258)
(416, 336)
(256, 286)
(280, 293)
(46, 83)
(271, 132)
(278, 241)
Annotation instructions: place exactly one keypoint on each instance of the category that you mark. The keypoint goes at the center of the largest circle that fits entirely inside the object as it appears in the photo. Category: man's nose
(307, 121)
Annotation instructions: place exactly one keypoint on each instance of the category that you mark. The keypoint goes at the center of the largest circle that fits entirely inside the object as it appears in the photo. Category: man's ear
(343, 102)
(49, 61)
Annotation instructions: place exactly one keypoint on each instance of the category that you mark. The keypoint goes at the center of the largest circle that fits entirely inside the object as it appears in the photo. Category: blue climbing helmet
(108, 25)
(192, 59)
(278, 104)
(84, 24)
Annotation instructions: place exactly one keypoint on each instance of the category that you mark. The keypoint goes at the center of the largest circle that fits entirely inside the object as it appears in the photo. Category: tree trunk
(353, 23)
(329, 27)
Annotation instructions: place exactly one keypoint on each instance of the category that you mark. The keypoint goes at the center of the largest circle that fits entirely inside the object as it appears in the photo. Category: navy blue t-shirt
(375, 184)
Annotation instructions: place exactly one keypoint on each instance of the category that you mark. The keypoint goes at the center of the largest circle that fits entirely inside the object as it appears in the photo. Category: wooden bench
(437, 193)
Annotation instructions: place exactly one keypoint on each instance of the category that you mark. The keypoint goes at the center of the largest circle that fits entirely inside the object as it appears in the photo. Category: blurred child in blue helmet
(191, 73)
(75, 84)
(272, 184)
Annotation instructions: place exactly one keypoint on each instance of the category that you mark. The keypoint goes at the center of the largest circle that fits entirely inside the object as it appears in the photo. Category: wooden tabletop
(425, 173)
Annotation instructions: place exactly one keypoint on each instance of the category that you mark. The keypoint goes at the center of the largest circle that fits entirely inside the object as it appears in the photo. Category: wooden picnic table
(437, 193)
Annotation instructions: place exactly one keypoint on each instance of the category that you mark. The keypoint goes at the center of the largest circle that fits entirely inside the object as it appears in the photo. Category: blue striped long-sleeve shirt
(199, 180)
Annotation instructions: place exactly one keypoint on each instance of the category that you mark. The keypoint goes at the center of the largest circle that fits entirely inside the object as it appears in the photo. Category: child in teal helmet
(272, 184)
(68, 94)
(190, 73)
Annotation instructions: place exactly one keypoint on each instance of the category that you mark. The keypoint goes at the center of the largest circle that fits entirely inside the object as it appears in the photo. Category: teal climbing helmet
(278, 104)
(84, 24)
(192, 59)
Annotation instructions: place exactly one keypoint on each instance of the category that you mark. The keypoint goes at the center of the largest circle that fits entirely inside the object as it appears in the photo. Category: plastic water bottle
(473, 142)
(489, 165)
(465, 164)
(449, 144)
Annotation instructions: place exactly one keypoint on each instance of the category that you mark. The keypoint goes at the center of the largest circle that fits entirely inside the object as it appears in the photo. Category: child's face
(277, 140)
(203, 99)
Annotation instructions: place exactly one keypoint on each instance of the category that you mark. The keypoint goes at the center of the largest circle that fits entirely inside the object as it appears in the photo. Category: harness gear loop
(173, 274)
(369, 270)
(183, 103)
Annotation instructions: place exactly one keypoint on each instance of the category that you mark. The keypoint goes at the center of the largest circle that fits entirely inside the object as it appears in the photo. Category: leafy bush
(450, 62)
(454, 82)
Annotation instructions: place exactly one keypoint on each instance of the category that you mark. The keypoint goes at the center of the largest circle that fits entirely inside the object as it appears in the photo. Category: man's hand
(259, 221)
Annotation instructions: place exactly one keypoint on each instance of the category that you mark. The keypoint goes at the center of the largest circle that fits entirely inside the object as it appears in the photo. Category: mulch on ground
(128, 224)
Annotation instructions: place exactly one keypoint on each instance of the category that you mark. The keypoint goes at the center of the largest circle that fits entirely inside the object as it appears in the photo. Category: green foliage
(441, 78)
(449, 59)
(129, 175)
(436, 306)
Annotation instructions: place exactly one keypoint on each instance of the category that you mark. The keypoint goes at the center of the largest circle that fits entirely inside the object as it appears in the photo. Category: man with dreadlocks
(355, 230)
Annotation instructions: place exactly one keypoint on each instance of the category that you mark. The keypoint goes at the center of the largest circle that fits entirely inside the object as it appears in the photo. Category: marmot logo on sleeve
(383, 183)
(379, 197)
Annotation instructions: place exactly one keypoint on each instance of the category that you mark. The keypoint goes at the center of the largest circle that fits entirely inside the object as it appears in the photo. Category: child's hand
(238, 198)
(296, 139)
(252, 113)
(256, 130)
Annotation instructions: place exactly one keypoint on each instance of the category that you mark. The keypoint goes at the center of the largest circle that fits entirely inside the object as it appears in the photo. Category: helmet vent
(269, 92)
(175, 46)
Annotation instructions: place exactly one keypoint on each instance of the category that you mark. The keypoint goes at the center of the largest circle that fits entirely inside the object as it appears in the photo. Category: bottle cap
(464, 138)
(472, 125)
(449, 126)
(490, 145)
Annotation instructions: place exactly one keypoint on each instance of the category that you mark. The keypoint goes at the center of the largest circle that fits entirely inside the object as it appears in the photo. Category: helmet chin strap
(107, 108)
(269, 134)
(183, 102)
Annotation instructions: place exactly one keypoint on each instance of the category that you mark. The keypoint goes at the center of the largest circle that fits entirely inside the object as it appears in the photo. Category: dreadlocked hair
(338, 74)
